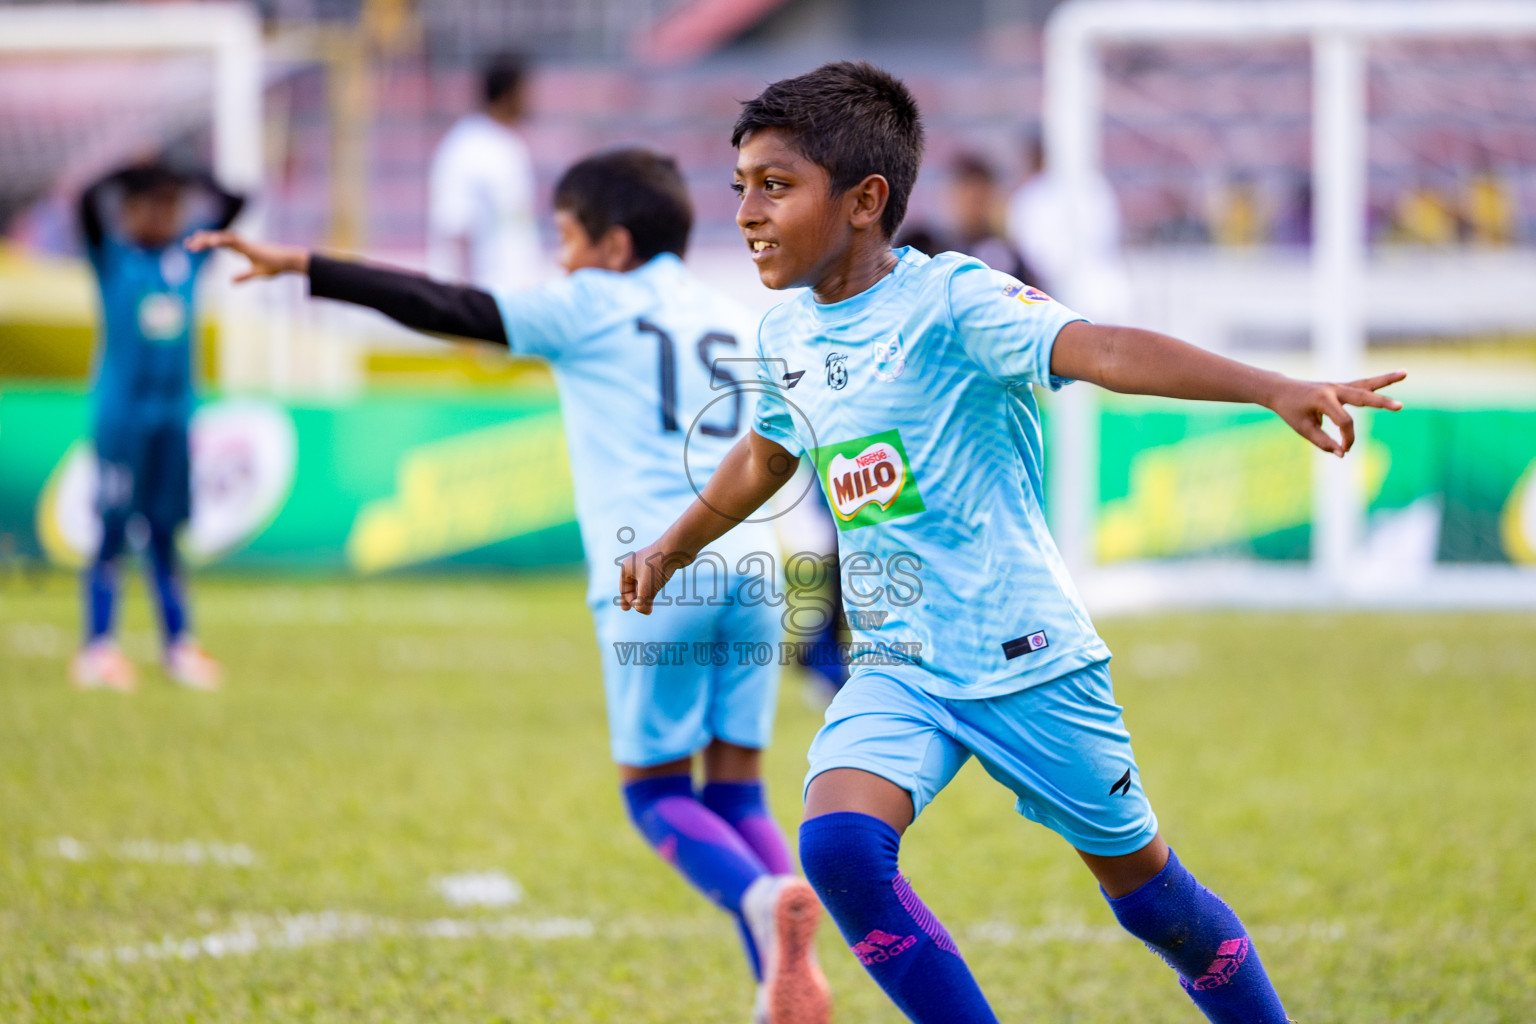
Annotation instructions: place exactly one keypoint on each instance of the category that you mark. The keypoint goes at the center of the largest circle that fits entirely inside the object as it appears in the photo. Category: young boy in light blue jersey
(915, 401)
(640, 351)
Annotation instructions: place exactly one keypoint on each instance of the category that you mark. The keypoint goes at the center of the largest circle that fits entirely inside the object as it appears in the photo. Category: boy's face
(580, 251)
(794, 226)
(152, 219)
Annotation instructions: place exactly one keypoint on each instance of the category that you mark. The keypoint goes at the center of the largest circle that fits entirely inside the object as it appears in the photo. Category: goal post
(1339, 32)
(227, 35)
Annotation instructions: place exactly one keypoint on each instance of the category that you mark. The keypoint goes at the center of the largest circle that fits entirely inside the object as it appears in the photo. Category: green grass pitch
(1359, 787)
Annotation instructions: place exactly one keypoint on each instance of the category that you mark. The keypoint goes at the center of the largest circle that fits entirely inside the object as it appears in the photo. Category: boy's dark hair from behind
(149, 179)
(636, 189)
(851, 119)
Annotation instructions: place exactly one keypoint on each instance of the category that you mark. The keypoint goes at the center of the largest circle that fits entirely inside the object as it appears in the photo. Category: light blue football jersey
(916, 405)
(646, 423)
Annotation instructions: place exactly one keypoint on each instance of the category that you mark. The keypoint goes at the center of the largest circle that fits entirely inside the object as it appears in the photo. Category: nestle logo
(870, 458)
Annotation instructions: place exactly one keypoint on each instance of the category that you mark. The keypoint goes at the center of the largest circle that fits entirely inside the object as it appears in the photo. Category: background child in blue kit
(134, 222)
(917, 408)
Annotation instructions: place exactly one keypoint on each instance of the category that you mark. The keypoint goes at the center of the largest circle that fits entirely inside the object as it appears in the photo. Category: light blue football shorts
(1061, 747)
(669, 700)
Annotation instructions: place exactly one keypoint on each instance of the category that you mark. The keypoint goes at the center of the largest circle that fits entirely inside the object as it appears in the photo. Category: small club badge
(1026, 294)
(889, 357)
(837, 371)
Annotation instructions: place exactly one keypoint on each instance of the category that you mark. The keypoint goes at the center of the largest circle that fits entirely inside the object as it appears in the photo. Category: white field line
(150, 851)
(479, 889)
(254, 933)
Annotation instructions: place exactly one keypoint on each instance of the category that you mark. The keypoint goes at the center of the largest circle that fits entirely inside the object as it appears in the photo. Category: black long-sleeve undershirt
(414, 300)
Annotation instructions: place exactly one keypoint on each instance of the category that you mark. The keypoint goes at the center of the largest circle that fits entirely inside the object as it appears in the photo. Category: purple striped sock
(744, 806)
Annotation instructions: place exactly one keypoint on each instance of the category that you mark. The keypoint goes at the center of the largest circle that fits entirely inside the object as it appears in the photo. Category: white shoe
(100, 665)
(189, 665)
(782, 913)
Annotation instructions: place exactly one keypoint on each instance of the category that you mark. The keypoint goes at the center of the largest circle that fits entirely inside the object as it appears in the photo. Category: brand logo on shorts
(1123, 787)
(868, 480)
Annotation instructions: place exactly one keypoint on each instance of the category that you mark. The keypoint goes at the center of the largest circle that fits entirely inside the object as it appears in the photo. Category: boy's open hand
(266, 260)
(643, 574)
(1303, 404)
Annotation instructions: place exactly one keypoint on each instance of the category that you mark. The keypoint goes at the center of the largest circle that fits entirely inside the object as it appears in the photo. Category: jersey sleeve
(772, 418)
(548, 322)
(1006, 326)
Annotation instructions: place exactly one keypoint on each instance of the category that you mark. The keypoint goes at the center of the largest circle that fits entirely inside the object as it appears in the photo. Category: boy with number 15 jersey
(640, 352)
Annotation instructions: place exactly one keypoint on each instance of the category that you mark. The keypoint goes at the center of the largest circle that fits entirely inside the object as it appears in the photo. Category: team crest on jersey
(889, 357)
(162, 316)
(1026, 294)
(837, 371)
(868, 480)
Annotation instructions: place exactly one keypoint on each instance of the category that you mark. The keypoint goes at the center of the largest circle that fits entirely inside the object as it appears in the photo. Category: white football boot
(782, 912)
(100, 665)
(188, 665)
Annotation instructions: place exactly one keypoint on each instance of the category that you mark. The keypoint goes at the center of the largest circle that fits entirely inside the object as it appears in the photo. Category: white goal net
(1388, 149)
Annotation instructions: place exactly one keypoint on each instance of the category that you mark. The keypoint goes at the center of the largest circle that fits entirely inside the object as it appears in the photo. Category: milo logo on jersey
(868, 480)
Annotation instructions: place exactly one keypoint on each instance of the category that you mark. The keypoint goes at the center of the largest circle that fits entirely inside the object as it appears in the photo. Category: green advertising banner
(1178, 480)
(387, 483)
(367, 486)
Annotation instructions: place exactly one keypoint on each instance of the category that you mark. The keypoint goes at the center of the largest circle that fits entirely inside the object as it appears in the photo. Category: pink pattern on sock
(930, 925)
(877, 947)
(1229, 957)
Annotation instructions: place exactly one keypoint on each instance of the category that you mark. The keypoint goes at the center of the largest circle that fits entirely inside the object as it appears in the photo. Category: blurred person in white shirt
(480, 214)
(1075, 253)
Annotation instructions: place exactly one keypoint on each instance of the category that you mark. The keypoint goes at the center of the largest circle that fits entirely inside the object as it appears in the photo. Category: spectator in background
(1423, 215)
(976, 208)
(1180, 225)
(1074, 254)
(480, 207)
(1240, 218)
(1294, 224)
(1488, 207)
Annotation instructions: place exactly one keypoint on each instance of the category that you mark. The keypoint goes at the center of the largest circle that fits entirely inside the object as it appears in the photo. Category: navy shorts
(145, 468)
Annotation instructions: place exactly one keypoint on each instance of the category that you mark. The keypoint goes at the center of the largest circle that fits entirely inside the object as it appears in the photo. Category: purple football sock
(744, 808)
(703, 847)
(1200, 937)
(850, 859)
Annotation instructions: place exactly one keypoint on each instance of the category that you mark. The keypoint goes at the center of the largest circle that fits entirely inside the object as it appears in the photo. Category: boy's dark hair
(503, 73)
(853, 120)
(636, 189)
(147, 179)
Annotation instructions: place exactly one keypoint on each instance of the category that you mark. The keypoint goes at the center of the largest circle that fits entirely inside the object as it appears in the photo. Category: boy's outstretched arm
(750, 474)
(1138, 362)
(414, 300)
